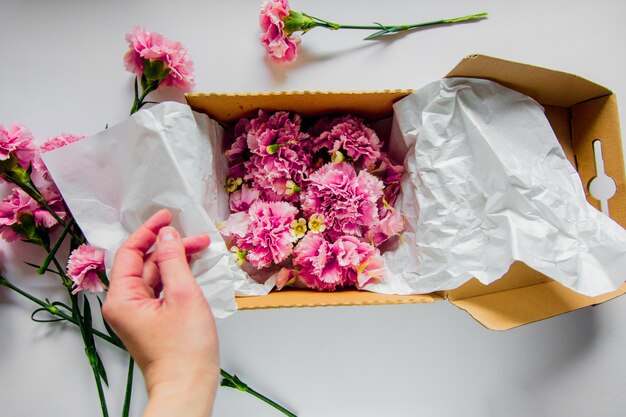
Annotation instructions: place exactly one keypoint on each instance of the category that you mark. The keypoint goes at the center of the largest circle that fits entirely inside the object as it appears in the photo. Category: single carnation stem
(386, 30)
(129, 387)
(231, 380)
(138, 103)
(44, 266)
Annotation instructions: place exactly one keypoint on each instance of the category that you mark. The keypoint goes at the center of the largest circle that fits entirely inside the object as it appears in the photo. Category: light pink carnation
(17, 140)
(328, 266)
(151, 45)
(19, 203)
(317, 267)
(390, 224)
(347, 201)
(264, 231)
(83, 266)
(349, 135)
(280, 153)
(282, 47)
(50, 145)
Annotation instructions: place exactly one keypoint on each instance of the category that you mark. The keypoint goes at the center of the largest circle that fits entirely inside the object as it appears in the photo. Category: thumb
(172, 261)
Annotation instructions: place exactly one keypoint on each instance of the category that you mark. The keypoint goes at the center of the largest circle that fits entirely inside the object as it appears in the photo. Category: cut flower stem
(390, 29)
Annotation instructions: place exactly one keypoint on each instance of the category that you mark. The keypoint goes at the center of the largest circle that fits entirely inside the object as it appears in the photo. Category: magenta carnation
(279, 154)
(154, 46)
(391, 175)
(317, 267)
(390, 224)
(83, 266)
(50, 145)
(264, 232)
(327, 266)
(242, 199)
(350, 136)
(19, 203)
(280, 45)
(347, 201)
(18, 141)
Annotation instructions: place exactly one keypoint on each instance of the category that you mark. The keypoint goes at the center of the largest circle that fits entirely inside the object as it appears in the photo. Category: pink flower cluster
(18, 141)
(154, 46)
(315, 201)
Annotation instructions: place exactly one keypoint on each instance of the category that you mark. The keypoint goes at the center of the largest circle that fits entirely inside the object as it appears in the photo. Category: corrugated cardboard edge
(288, 298)
(230, 107)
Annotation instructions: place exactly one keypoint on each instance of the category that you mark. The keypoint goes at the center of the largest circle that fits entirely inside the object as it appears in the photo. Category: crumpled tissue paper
(164, 157)
(487, 184)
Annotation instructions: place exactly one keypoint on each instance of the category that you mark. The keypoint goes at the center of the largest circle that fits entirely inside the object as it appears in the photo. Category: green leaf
(110, 331)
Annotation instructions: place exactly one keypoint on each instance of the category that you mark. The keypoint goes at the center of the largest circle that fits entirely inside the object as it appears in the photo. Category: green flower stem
(129, 387)
(139, 101)
(55, 311)
(44, 266)
(233, 381)
(385, 30)
(229, 380)
(103, 404)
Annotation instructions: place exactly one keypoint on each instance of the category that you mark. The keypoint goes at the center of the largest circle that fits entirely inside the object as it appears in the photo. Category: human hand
(173, 338)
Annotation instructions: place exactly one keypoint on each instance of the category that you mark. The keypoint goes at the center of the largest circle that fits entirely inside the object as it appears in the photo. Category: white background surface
(62, 71)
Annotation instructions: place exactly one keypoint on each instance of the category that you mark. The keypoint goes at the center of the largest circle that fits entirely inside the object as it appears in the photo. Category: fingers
(192, 244)
(129, 258)
(172, 262)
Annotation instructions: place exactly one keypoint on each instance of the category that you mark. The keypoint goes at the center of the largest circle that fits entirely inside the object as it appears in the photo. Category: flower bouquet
(314, 204)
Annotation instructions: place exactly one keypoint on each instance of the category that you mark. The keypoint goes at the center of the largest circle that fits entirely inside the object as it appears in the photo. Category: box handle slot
(601, 187)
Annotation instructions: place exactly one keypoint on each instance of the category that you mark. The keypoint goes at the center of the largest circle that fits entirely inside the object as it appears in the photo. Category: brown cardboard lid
(548, 87)
(230, 107)
(306, 298)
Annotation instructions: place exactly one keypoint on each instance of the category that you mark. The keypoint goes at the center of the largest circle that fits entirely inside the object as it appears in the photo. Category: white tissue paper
(487, 183)
(164, 157)
(492, 185)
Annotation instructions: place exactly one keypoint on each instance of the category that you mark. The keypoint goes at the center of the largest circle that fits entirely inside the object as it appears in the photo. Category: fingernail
(167, 233)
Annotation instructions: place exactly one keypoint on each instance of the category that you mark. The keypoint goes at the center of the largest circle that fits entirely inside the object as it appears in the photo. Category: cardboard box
(579, 111)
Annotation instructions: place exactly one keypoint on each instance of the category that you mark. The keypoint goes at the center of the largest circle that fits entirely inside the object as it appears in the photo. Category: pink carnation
(390, 224)
(280, 153)
(318, 268)
(265, 232)
(280, 45)
(154, 46)
(347, 201)
(242, 199)
(327, 266)
(83, 266)
(19, 203)
(349, 135)
(17, 140)
(391, 175)
(50, 145)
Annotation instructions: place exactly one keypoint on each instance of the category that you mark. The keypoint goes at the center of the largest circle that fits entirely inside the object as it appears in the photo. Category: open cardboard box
(579, 111)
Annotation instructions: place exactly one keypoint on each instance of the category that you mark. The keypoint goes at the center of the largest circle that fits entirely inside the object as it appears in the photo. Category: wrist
(192, 396)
